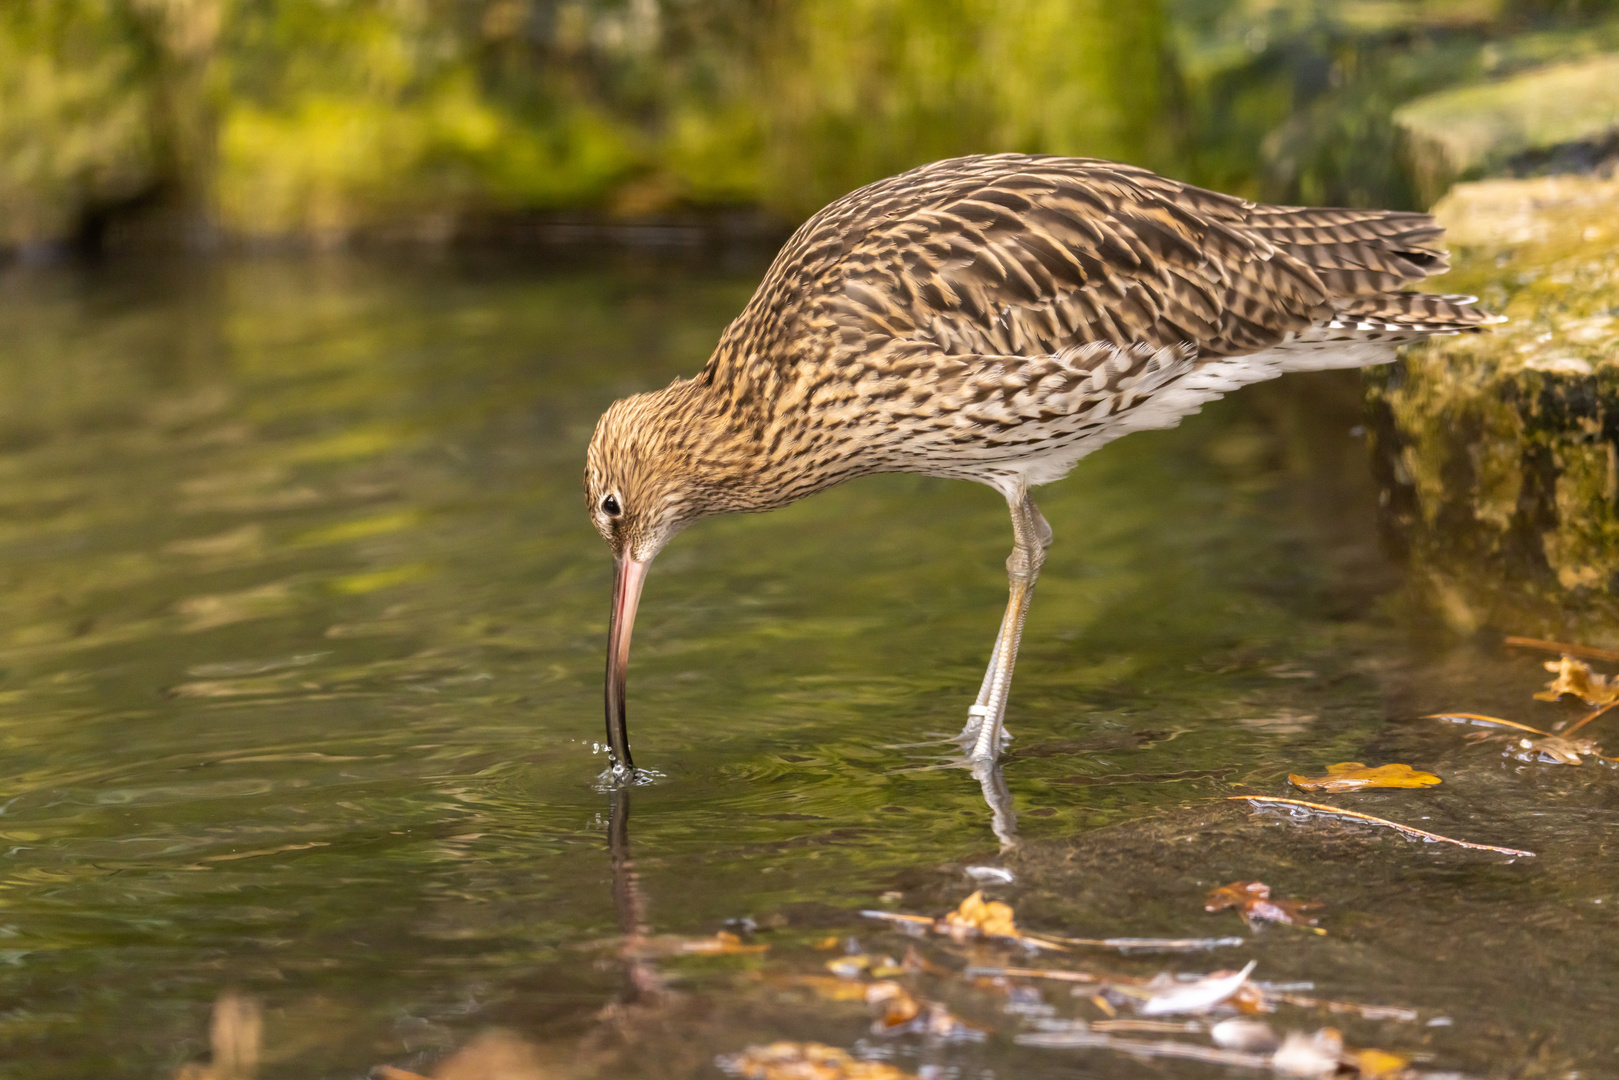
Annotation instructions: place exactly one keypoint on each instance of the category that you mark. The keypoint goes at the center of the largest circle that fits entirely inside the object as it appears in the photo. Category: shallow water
(301, 663)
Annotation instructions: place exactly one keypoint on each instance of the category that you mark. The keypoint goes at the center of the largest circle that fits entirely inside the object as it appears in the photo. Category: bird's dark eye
(610, 506)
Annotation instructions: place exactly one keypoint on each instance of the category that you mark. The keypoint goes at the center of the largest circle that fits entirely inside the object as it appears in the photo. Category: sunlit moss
(1499, 449)
(334, 164)
(326, 119)
(865, 89)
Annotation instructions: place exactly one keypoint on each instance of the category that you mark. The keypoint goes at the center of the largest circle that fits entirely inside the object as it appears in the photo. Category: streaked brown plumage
(996, 318)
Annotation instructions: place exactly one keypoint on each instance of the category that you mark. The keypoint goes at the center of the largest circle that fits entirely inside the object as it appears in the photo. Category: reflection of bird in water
(642, 980)
(996, 319)
(1002, 814)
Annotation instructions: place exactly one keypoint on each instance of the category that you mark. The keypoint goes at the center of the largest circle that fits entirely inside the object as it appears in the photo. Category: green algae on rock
(1498, 454)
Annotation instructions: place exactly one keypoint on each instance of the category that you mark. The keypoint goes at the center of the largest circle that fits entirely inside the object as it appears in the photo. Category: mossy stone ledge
(1498, 453)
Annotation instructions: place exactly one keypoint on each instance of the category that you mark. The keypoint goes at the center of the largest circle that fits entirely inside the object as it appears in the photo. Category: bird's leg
(985, 730)
(980, 708)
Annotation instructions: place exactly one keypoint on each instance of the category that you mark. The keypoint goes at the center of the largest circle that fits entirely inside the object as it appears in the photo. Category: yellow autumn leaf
(806, 1061)
(990, 918)
(1353, 776)
(1576, 677)
(1376, 1064)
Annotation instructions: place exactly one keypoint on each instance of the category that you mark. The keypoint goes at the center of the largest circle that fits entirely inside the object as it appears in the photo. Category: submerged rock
(1498, 453)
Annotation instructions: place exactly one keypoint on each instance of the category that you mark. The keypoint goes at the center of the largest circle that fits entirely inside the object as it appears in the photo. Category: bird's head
(639, 483)
(643, 483)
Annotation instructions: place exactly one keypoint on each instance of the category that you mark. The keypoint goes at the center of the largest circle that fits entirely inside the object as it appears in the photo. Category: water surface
(301, 658)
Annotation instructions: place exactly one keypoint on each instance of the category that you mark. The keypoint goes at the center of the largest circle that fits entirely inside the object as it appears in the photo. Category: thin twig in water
(1408, 830)
(1479, 718)
(1578, 724)
(1167, 1027)
(1034, 973)
(895, 916)
(1148, 944)
(1164, 1048)
(1369, 1012)
(1038, 941)
(1587, 651)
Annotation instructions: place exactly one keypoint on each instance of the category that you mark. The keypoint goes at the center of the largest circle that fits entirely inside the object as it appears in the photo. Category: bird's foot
(976, 715)
(983, 745)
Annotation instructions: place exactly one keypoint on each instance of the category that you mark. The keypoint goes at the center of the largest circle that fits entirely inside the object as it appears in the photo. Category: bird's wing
(1012, 255)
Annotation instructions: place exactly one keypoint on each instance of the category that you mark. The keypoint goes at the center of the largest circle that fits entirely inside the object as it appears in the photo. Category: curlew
(996, 318)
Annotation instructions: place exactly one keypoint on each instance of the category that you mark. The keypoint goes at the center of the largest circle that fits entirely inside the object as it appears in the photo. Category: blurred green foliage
(1294, 100)
(75, 115)
(324, 118)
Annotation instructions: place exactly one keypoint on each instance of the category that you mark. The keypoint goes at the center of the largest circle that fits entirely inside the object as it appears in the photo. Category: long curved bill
(628, 577)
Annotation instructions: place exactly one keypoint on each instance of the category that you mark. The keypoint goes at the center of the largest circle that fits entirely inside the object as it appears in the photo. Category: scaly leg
(980, 708)
(985, 732)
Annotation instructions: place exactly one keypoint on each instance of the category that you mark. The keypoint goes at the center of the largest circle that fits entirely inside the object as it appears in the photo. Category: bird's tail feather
(1360, 331)
(1398, 316)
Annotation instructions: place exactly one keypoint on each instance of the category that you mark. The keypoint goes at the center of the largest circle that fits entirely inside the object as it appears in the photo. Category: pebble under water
(300, 677)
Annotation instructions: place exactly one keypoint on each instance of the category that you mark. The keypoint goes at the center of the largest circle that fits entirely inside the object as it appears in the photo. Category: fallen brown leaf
(902, 1013)
(1251, 1000)
(899, 1007)
(1554, 749)
(805, 1061)
(1252, 901)
(1353, 776)
(1576, 677)
(977, 915)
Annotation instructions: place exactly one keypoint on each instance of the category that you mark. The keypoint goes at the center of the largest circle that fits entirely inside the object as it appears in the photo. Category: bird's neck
(740, 445)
